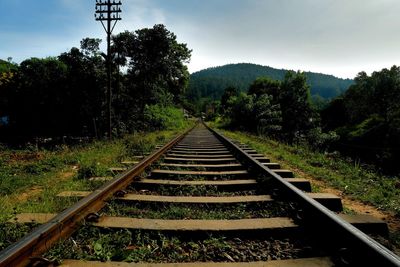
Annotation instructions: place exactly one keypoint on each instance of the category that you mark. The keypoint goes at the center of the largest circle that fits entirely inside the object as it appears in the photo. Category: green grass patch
(354, 180)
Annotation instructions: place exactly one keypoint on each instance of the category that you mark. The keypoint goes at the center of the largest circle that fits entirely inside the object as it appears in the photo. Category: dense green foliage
(367, 118)
(210, 83)
(277, 109)
(363, 122)
(158, 117)
(66, 95)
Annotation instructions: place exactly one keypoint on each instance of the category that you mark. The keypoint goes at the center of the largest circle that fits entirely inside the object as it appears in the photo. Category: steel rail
(351, 246)
(66, 222)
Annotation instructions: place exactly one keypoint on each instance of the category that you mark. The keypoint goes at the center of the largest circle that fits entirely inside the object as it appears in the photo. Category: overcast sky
(339, 37)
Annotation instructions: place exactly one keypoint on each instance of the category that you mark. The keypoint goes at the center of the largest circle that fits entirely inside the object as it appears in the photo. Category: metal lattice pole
(108, 11)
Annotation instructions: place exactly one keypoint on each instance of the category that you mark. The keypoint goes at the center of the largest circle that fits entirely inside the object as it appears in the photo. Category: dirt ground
(38, 189)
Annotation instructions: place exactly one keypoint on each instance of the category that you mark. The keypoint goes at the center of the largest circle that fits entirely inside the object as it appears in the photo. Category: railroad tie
(174, 174)
(366, 222)
(330, 201)
(205, 167)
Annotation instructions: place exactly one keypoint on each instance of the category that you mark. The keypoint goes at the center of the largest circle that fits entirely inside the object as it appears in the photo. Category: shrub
(92, 169)
(158, 117)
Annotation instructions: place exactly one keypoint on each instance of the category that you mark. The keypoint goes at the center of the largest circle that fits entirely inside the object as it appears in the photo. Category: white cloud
(137, 14)
(341, 37)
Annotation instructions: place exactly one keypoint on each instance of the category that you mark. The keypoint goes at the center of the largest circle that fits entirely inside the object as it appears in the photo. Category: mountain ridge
(212, 81)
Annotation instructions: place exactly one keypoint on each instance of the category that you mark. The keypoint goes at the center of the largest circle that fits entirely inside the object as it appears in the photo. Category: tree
(298, 116)
(255, 114)
(228, 93)
(268, 115)
(8, 72)
(156, 73)
(38, 106)
(386, 93)
(334, 115)
(265, 85)
(367, 118)
(156, 62)
(242, 112)
(357, 99)
(90, 46)
(85, 87)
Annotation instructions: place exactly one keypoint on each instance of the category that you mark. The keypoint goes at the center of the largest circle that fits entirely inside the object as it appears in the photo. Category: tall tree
(157, 73)
(156, 61)
(85, 87)
(38, 100)
(298, 116)
(8, 72)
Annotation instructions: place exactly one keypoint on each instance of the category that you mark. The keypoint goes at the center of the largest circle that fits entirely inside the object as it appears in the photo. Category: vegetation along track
(202, 200)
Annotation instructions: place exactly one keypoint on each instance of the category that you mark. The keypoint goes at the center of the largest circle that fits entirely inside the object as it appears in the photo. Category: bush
(92, 169)
(317, 140)
(138, 145)
(158, 117)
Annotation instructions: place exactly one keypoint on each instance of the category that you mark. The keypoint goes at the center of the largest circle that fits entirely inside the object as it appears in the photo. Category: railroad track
(202, 200)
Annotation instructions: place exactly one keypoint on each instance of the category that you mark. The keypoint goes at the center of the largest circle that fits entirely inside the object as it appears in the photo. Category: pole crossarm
(108, 10)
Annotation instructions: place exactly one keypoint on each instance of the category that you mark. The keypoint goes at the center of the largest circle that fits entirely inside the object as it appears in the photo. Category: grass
(354, 180)
(11, 232)
(154, 247)
(30, 180)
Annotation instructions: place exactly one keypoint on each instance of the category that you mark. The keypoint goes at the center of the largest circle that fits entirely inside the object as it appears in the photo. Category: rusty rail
(66, 222)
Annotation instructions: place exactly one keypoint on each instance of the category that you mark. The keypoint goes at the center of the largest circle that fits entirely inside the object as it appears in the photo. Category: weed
(190, 190)
(93, 169)
(199, 211)
(138, 246)
(12, 232)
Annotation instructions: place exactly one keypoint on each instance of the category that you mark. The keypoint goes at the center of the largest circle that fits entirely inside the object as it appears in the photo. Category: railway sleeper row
(202, 176)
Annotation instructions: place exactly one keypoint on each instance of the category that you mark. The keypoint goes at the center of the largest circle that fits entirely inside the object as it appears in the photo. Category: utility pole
(108, 11)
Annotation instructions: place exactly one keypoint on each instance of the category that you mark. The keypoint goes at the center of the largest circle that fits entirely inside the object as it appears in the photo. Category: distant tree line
(363, 122)
(66, 95)
(208, 85)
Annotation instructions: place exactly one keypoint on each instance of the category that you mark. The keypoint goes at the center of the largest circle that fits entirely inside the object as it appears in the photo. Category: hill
(211, 82)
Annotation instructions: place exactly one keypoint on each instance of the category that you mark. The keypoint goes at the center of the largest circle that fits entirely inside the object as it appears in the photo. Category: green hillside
(211, 82)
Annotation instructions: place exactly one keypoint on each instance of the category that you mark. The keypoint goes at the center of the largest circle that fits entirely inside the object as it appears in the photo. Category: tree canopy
(66, 95)
(367, 118)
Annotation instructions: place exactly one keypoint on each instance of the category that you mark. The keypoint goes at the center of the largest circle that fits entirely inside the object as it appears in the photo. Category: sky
(339, 37)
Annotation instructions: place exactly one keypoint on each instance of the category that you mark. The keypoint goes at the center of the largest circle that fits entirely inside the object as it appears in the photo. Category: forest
(208, 85)
(362, 122)
(66, 95)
